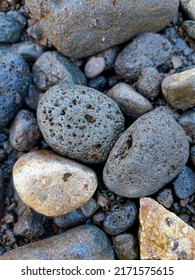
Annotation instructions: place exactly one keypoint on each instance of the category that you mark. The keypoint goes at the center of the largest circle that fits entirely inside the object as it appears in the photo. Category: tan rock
(189, 7)
(51, 184)
(164, 236)
(179, 89)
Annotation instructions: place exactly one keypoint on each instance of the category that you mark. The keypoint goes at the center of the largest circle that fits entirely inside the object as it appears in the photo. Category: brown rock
(163, 235)
(51, 184)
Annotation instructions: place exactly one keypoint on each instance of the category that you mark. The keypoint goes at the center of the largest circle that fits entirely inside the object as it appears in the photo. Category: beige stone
(179, 89)
(51, 184)
(163, 235)
(189, 7)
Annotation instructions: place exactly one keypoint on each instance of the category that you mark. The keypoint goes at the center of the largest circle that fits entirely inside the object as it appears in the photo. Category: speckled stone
(189, 27)
(162, 235)
(14, 83)
(80, 122)
(98, 25)
(70, 220)
(184, 183)
(192, 155)
(51, 184)
(189, 7)
(11, 29)
(126, 246)
(148, 155)
(80, 243)
(24, 131)
(147, 50)
(179, 89)
(187, 121)
(52, 68)
(129, 100)
(165, 197)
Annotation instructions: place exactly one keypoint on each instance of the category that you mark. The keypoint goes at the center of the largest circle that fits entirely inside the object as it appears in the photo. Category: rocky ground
(121, 183)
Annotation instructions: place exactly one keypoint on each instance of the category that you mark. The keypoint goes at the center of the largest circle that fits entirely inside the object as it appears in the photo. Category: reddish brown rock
(163, 235)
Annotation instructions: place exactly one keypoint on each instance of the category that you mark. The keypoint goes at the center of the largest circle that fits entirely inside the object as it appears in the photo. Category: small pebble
(180, 44)
(126, 246)
(120, 218)
(32, 97)
(3, 155)
(98, 83)
(187, 121)
(94, 67)
(189, 27)
(176, 61)
(184, 217)
(98, 219)
(70, 220)
(89, 208)
(165, 197)
(192, 155)
(11, 29)
(30, 51)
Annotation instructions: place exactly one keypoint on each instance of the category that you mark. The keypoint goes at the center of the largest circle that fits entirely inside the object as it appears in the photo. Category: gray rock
(24, 131)
(89, 208)
(32, 97)
(189, 27)
(94, 67)
(109, 56)
(98, 83)
(1, 192)
(126, 246)
(52, 68)
(11, 29)
(179, 89)
(80, 243)
(180, 44)
(147, 50)
(131, 102)
(3, 155)
(79, 122)
(18, 17)
(192, 154)
(149, 82)
(99, 25)
(70, 220)
(120, 218)
(30, 51)
(14, 83)
(165, 197)
(184, 183)
(148, 155)
(187, 121)
(189, 7)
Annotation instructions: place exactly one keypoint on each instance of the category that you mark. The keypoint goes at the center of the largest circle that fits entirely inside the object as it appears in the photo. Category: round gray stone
(148, 155)
(99, 24)
(80, 122)
(11, 29)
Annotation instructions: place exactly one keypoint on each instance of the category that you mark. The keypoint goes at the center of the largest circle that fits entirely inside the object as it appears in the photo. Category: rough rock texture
(187, 121)
(126, 246)
(164, 236)
(179, 89)
(90, 121)
(53, 185)
(14, 83)
(147, 50)
(2, 191)
(11, 29)
(52, 68)
(102, 21)
(80, 243)
(189, 7)
(131, 102)
(192, 154)
(70, 220)
(165, 197)
(189, 27)
(24, 131)
(29, 50)
(148, 155)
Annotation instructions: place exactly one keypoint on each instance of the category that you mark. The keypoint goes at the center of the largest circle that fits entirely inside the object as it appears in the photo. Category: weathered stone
(94, 67)
(163, 235)
(2, 191)
(189, 7)
(52, 185)
(99, 25)
(126, 246)
(80, 122)
(148, 155)
(129, 100)
(89, 208)
(192, 154)
(187, 121)
(11, 29)
(165, 197)
(179, 89)
(147, 50)
(189, 27)
(29, 50)
(70, 220)
(80, 243)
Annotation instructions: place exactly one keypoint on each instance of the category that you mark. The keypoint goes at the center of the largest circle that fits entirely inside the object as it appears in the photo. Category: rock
(184, 183)
(14, 83)
(98, 83)
(81, 113)
(109, 56)
(187, 121)
(3, 155)
(89, 208)
(178, 89)
(71, 187)
(11, 29)
(98, 218)
(30, 51)
(101, 21)
(192, 154)
(162, 235)
(18, 17)
(28, 227)
(32, 97)
(147, 50)
(148, 155)
(180, 44)
(120, 218)
(130, 101)
(126, 246)
(52, 68)
(165, 197)
(2, 191)
(70, 220)
(189, 7)
(24, 131)
(35, 32)
(94, 67)
(176, 61)
(149, 82)
(189, 27)
(80, 243)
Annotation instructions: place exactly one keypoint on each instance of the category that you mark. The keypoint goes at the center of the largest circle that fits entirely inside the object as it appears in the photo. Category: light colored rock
(129, 100)
(163, 235)
(176, 61)
(51, 184)
(179, 89)
(94, 67)
(189, 7)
